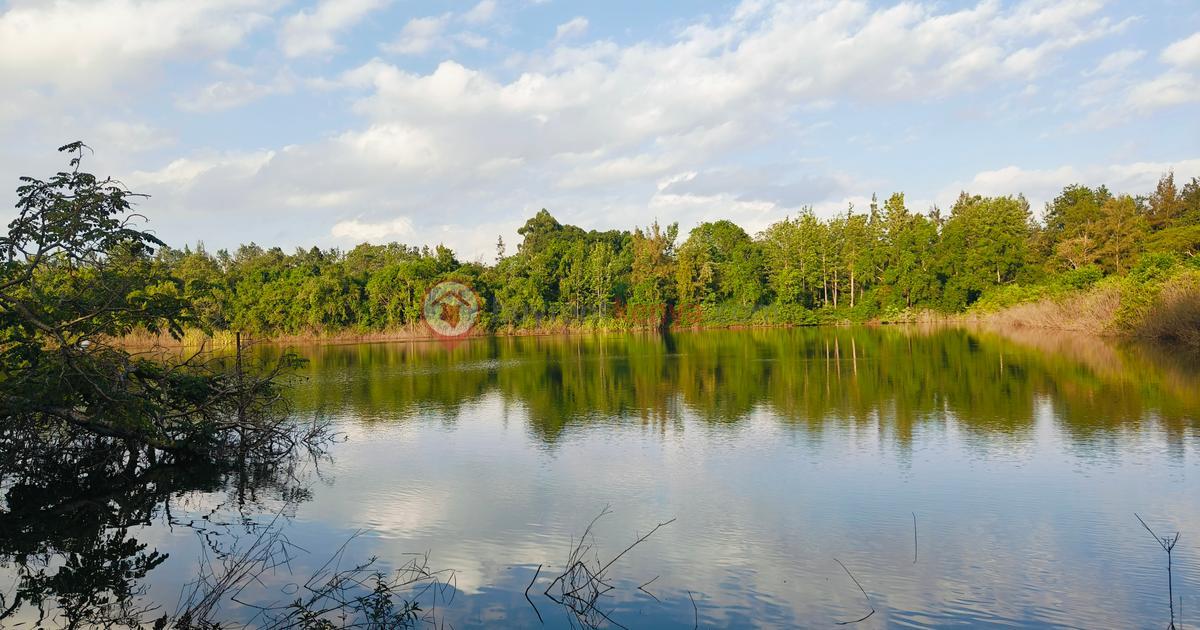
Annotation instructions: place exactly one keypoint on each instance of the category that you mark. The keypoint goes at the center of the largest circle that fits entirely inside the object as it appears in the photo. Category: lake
(961, 477)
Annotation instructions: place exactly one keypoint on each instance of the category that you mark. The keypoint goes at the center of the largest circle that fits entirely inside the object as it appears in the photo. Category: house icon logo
(451, 309)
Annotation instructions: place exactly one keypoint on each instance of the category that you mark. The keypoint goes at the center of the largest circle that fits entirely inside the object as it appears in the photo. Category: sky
(336, 122)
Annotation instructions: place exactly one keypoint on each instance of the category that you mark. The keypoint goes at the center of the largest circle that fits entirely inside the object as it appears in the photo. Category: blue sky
(336, 122)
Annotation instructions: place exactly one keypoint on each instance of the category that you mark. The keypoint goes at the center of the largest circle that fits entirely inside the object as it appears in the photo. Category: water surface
(964, 477)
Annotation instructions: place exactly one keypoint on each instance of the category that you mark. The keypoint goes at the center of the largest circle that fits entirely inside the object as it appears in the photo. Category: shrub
(1082, 278)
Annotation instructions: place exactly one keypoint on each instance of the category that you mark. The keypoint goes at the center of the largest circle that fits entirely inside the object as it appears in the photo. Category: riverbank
(1161, 303)
(420, 332)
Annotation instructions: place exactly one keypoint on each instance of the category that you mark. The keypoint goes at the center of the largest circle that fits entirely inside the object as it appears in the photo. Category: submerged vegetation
(1130, 262)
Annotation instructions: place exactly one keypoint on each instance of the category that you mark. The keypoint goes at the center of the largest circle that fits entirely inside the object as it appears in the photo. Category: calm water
(1021, 459)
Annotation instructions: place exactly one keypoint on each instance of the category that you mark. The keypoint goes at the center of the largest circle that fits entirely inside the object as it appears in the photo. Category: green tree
(984, 244)
(719, 262)
(652, 268)
(1121, 230)
(907, 242)
(75, 273)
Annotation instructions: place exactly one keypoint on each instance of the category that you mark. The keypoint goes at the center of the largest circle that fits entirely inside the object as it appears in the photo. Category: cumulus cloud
(312, 31)
(608, 133)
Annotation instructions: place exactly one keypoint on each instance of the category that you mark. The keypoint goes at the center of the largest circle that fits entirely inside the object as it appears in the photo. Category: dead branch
(865, 596)
(585, 580)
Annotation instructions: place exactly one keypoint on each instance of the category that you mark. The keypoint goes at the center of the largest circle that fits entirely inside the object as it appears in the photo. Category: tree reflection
(992, 383)
(72, 508)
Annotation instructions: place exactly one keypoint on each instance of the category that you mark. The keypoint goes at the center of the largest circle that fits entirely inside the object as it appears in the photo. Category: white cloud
(184, 173)
(1118, 61)
(616, 170)
(609, 134)
(1042, 185)
(1184, 53)
(1033, 61)
(312, 31)
(230, 93)
(76, 46)
(131, 137)
(420, 35)
(471, 40)
(394, 145)
(1166, 90)
(575, 27)
(359, 231)
(481, 13)
(752, 215)
(1114, 96)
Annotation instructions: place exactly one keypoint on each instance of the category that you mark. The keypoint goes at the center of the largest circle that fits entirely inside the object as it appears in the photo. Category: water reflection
(77, 528)
(991, 383)
(1023, 456)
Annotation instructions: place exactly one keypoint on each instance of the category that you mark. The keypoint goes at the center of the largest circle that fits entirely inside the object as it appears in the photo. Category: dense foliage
(74, 274)
(885, 262)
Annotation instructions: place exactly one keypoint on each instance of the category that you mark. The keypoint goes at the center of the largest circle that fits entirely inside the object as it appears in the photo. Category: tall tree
(719, 262)
(653, 261)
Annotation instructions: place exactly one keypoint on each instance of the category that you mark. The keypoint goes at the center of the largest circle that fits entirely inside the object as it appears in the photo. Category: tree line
(880, 261)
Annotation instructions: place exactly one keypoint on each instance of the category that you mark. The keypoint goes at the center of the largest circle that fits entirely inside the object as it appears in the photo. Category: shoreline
(1163, 307)
(222, 339)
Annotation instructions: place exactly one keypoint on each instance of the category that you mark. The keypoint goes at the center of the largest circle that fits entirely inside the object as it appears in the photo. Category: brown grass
(1092, 312)
(1175, 313)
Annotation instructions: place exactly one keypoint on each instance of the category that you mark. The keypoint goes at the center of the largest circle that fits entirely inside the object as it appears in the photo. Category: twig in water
(535, 608)
(1167, 543)
(642, 588)
(914, 537)
(585, 580)
(865, 596)
(695, 611)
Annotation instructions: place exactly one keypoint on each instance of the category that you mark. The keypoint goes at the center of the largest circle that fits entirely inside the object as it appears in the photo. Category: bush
(785, 314)
(725, 314)
(1008, 295)
(1154, 266)
(1081, 278)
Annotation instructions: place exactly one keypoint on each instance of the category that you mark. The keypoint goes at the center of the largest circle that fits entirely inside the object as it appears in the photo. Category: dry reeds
(1175, 313)
(1092, 311)
(361, 596)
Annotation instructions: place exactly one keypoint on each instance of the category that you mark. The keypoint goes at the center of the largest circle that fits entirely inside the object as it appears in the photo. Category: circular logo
(451, 308)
